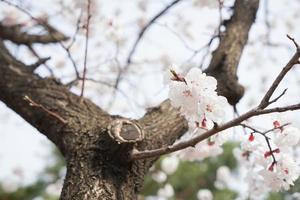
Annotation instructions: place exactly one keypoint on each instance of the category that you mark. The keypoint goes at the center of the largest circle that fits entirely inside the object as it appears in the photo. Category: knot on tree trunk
(125, 131)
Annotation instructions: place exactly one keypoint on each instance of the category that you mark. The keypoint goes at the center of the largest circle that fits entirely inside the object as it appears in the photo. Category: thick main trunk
(100, 168)
(90, 176)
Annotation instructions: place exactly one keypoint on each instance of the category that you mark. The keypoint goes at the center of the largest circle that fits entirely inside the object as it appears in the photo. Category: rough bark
(97, 164)
(226, 58)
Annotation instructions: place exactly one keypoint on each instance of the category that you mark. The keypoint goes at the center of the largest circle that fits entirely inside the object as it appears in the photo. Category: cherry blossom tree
(79, 75)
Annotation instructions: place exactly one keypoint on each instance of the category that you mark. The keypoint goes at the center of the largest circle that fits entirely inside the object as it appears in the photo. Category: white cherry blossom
(167, 191)
(185, 97)
(204, 194)
(223, 176)
(204, 84)
(212, 106)
(201, 151)
(159, 176)
(289, 136)
(169, 164)
(196, 96)
(270, 158)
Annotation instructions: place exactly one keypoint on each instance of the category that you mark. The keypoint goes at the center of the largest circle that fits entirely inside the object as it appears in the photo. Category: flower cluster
(196, 96)
(270, 155)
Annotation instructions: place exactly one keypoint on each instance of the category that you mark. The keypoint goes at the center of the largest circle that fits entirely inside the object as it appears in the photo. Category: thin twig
(206, 47)
(53, 33)
(267, 139)
(217, 34)
(147, 26)
(50, 31)
(73, 39)
(53, 114)
(294, 60)
(33, 51)
(67, 50)
(68, 47)
(251, 128)
(279, 96)
(293, 40)
(22, 10)
(39, 62)
(86, 45)
(140, 36)
(270, 149)
(276, 128)
(279, 109)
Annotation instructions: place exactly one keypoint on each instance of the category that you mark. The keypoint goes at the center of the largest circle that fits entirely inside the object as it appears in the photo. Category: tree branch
(140, 36)
(39, 62)
(17, 81)
(259, 110)
(225, 59)
(86, 45)
(53, 114)
(162, 124)
(295, 60)
(16, 35)
(147, 26)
